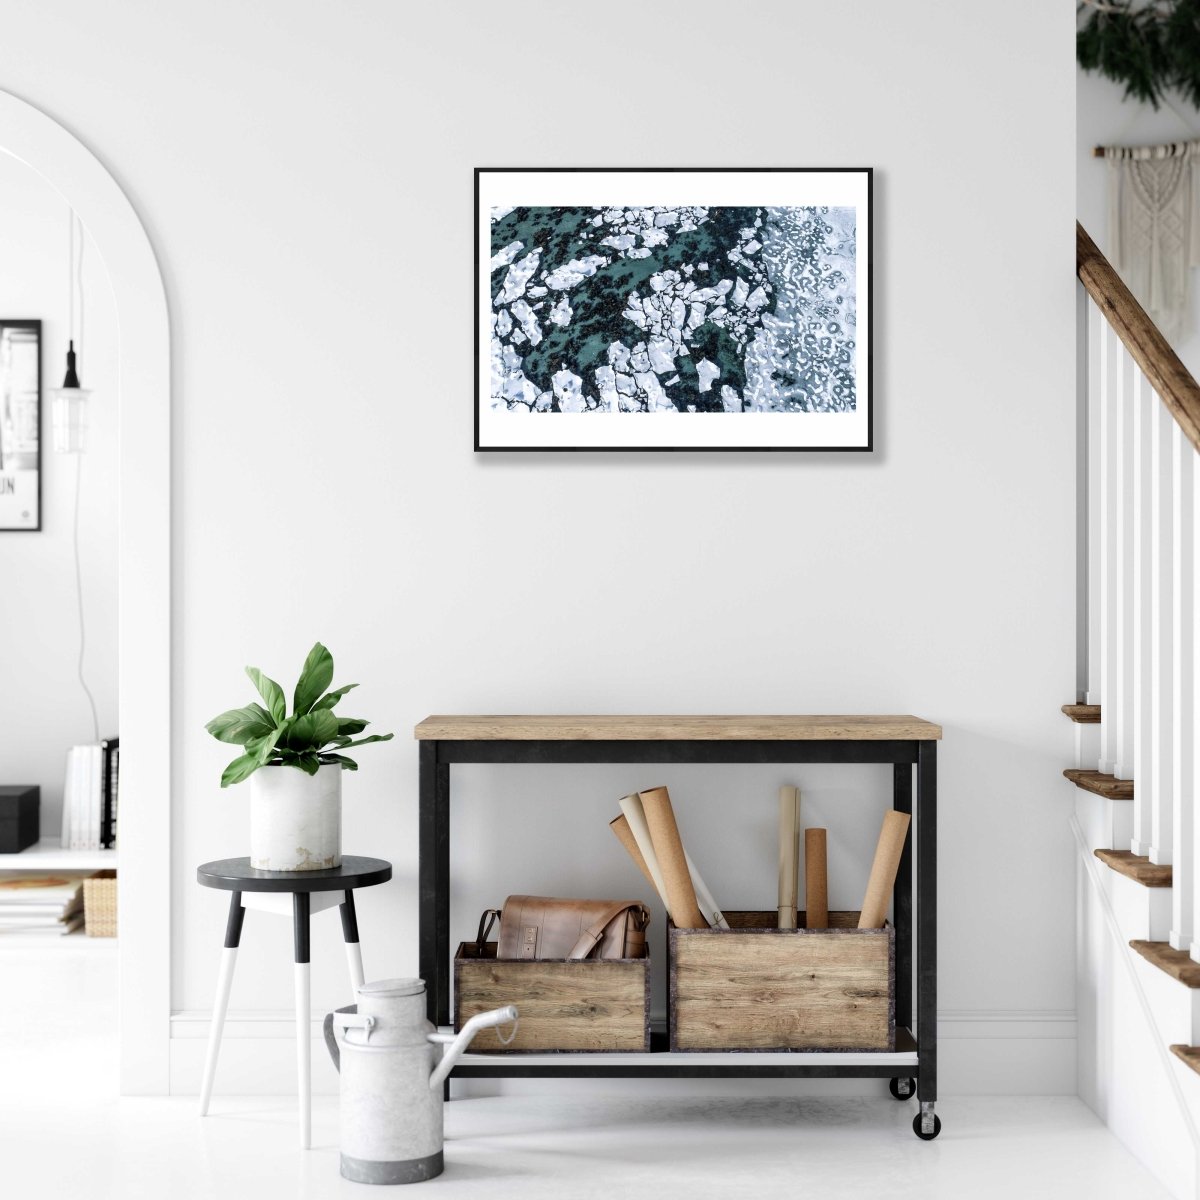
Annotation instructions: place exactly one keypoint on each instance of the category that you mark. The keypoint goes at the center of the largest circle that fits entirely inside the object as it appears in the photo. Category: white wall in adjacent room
(43, 710)
(305, 172)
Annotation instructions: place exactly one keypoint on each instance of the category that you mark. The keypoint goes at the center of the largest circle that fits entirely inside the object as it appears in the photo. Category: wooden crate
(756, 987)
(593, 1005)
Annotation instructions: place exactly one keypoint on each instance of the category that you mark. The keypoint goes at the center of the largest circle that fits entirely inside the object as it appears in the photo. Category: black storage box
(19, 816)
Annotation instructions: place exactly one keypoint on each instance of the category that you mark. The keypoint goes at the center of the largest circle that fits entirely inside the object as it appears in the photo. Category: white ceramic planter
(296, 819)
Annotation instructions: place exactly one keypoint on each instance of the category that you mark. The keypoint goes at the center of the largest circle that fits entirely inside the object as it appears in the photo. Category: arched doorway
(144, 577)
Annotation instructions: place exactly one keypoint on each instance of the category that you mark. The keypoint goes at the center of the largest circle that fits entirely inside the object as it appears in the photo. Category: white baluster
(1192, 676)
(1095, 343)
(1109, 524)
(1159, 759)
(1145, 406)
(1183, 729)
(1126, 407)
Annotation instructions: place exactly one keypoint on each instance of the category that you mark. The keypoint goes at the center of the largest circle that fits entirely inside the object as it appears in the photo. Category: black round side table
(310, 891)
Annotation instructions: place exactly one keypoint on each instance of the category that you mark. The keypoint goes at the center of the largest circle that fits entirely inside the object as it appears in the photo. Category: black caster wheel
(902, 1089)
(927, 1137)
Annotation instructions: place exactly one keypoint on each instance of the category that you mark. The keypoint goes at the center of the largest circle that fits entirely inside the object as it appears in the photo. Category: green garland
(1150, 48)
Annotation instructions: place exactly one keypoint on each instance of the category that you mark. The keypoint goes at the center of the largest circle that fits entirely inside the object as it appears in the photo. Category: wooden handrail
(1146, 345)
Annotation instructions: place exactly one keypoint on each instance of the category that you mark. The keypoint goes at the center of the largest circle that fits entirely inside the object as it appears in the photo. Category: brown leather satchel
(542, 927)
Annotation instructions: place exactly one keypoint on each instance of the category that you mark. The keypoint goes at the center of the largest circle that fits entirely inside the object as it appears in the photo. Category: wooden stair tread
(1136, 867)
(1189, 1055)
(1108, 786)
(1083, 714)
(1176, 963)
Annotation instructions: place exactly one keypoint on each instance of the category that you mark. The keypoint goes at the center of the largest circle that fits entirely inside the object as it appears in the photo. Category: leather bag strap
(594, 932)
(485, 927)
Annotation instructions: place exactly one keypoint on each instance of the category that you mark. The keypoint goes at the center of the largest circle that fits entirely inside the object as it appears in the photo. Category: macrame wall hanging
(1154, 225)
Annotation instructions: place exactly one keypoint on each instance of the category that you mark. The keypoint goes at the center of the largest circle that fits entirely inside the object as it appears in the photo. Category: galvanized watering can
(392, 1066)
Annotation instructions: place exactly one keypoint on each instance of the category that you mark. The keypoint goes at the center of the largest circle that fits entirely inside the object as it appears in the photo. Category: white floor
(529, 1148)
(64, 1136)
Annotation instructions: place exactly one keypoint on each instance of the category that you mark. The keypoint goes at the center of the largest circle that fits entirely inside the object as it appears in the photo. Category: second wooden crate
(588, 1005)
(756, 987)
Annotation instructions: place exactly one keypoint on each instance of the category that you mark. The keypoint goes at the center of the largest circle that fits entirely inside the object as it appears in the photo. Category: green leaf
(241, 768)
(351, 725)
(309, 763)
(375, 737)
(348, 764)
(241, 725)
(331, 698)
(263, 748)
(271, 692)
(315, 677)
(310, 731)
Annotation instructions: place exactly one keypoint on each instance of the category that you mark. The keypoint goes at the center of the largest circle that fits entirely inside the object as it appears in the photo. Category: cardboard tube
(789, 854)
(816, 880)
(668, 848)
(883, 870)
(704, 898)
(620, 826)
(635, 819)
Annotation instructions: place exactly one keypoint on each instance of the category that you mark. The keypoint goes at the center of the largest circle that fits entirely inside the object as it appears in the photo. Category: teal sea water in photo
(673, 309)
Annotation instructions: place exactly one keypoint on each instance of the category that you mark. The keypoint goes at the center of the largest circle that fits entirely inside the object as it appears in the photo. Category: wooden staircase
(1138, 575)
(1177, 964)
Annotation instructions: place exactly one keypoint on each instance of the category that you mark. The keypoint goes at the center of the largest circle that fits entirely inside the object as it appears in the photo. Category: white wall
(1104, 118)
(43, 710)
(305, 171)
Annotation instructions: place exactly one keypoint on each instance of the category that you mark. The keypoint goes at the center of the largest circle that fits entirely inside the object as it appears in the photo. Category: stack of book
(41, 902)
(90, 793)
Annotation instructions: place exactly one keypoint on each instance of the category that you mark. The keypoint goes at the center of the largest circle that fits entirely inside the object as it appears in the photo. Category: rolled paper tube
(620, 826)
(635, 819)
(704, 898)
(672, 862)
(632, 824)
(816, 880)
(789, 852)
(883, 870)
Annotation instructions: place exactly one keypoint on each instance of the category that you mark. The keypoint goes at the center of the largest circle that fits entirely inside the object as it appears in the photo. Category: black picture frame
(864, 442)
(21, 426)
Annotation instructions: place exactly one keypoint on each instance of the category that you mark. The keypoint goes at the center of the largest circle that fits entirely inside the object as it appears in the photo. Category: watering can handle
(343, 1017)
(331, 1042)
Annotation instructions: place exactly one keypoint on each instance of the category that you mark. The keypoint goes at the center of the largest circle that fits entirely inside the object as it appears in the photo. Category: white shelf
(48, 855)
(61, 941)
(796, 1058)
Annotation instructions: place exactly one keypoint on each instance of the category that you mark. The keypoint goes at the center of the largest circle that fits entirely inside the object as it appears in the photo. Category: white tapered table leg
(353, 946)
(300, 911)
(303, 1053)
(354, 960)
(233, 934)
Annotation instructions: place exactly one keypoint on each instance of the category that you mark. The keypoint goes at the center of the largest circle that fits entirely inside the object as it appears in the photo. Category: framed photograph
(673, 309)
(20, 425)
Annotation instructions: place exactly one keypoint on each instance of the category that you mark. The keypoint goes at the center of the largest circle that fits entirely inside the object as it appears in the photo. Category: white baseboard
(1018, 1052)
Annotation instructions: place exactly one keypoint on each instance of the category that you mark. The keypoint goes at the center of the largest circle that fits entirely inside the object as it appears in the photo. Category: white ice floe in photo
(574, 272)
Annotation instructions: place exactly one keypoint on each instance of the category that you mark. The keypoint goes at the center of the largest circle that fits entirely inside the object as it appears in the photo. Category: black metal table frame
(437, 757)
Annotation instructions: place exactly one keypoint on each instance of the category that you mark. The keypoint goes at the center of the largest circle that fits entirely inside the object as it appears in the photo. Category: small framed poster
(673, 309)
(20, 425)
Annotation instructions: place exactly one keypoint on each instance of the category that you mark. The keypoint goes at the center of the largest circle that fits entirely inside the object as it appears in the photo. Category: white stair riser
(1142, 913)
(1107, 824)
(1176, 1007)
(1087, 746)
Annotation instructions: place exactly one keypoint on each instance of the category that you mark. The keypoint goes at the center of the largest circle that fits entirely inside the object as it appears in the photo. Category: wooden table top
(856, 728)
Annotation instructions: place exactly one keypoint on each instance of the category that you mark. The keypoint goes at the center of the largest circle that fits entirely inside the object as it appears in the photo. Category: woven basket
(100, 904)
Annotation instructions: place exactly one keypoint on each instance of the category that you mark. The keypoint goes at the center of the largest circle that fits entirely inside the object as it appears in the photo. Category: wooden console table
(902, 742)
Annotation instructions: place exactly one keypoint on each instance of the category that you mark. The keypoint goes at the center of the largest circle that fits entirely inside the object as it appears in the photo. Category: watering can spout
(454, 1051)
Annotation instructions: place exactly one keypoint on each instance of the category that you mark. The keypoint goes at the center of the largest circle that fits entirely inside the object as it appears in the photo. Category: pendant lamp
(69, 403)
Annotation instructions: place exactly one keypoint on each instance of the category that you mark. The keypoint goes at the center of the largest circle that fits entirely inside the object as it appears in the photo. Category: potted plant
(294, 764)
